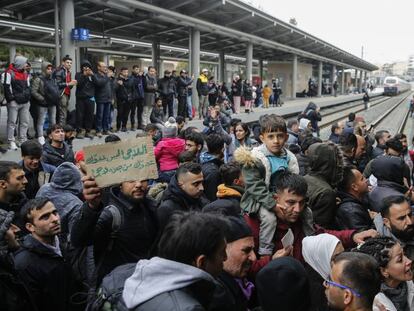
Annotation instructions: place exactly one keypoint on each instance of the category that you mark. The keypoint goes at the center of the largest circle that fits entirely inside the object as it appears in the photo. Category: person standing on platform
(103, 95)
(137, 105)
(236, 91)
(63, 77)
(202, 90)
(167, 89)
(150, 87)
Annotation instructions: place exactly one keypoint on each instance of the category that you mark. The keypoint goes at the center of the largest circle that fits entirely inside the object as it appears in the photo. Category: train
(395, 86)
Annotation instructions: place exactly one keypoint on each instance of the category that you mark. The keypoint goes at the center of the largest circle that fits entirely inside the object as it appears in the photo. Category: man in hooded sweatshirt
(326, 170)
(17, 92)
(190, 254)
(45, 95)
(64, 191)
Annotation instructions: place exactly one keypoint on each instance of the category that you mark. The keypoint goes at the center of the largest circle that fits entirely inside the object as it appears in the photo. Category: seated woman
(242, 135)
(397, 288)
(318, 251)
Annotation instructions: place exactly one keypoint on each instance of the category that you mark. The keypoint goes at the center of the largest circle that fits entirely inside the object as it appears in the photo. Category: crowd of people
(263, 217)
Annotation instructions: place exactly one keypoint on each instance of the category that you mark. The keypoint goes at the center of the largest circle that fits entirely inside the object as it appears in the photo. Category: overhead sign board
(95, 43)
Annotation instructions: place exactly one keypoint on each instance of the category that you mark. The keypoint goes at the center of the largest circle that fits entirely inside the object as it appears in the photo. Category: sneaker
(89, 135)
(80, 135)
(41, 140)
(12, 146)
(132, 129)
(106, 132)
(3, 150)
(99, 134)
(123, 129)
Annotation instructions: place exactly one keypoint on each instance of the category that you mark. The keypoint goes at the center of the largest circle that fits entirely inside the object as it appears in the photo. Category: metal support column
(12, 52)
(343, 82)
(249, 62)
(106, 58)
(356, 79)
(361, 80)
(156, 57)
(261, 72)
(320, 79)
(294, 74)
(195, 61)
(333, 76)
(57, 35)
(221, 67)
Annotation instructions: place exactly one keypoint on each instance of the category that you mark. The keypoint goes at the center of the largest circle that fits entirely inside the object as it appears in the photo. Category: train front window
(391, 81)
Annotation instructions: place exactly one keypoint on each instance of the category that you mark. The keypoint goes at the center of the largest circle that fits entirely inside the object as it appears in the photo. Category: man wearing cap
(13, 293)
(183, 81)
(85, 100)
(167, 89)
(17, 93)
(234, 290)
(202, 90)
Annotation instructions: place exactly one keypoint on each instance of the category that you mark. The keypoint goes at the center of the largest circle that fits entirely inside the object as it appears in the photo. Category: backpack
(109, 295)
(2, 95)
(81, 258)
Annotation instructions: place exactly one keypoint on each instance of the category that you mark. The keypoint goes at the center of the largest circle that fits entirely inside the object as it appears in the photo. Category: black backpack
(109, 295)
(81, 258)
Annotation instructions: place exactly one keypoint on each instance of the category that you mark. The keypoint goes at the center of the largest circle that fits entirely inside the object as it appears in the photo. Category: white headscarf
(303, 123)
(317, 251)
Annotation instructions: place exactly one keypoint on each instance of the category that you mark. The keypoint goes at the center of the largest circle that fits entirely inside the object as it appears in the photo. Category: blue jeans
(103, 113)
(189, 106)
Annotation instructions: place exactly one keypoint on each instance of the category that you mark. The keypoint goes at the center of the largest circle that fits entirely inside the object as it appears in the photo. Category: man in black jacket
(137, 229)
(183, 81)
(103, 97)
(150, 88)
(137, 105)
(14, 295)
(85, 100)
(65, 83)
(167, 89)
(124, 92)
(57, 150)
(184, 193)
(353, 211)
(12, 186)
(381, 138)
(40, 261)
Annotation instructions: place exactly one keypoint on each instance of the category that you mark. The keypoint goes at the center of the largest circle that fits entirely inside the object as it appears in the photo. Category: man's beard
(403, 235)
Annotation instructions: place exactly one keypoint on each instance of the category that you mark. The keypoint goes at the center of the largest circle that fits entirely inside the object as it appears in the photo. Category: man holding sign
(123, 230)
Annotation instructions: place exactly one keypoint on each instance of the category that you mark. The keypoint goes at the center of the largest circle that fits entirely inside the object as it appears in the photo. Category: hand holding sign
(117, 162)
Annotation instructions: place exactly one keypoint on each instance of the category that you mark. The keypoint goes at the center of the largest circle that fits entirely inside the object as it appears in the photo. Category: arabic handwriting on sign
(130, 154)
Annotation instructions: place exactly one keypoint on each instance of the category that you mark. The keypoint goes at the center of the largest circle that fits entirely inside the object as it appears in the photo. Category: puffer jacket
(248, 92)
(389, 172)
(16, 85)
(237, 88)
(157, 115)
(185, 288)
(167, 86)
(167, 151)
(150, 84)
(103, 88)
(202, 85)
(64, 191)
(182, 85)
(52, 157)
(175, 199)
(60, 75)
(326, 169)
(257, 173)
(228, 200)
(352, 213)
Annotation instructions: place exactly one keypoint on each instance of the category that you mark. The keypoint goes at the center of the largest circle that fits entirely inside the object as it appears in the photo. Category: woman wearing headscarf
(318, 251)
(397, 288)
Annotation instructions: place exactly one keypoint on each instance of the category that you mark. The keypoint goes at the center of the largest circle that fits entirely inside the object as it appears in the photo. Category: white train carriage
(395, 86)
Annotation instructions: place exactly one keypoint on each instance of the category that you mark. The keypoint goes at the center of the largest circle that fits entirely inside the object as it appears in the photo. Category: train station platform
(290, 108)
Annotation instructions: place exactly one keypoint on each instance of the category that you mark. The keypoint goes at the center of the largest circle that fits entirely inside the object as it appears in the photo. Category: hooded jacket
(167, 151)
(228, 200)
(352, 213)
(389, 172)
(16, 82)
(210, 165)
(313, 116)
(293, 137)
(44, 90)
(52, 157)
(175, 199)
(64, 191)
(85, 89)
(185, 288)
(133, 240)
(325, 172)
(257, 173)
(167, 86)
(46, 275)
(37, 178)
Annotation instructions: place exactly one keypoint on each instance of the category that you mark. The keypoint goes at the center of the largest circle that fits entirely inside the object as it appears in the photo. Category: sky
(384, 28)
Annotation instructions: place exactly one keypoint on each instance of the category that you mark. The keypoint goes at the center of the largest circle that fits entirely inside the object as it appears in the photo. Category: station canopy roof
(225, 25)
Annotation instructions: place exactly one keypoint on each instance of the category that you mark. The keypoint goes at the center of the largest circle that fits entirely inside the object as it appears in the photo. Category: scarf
(246, 287)
(397, 295)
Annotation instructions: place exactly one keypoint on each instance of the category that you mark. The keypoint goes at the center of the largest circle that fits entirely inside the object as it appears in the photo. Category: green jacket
(257, 174)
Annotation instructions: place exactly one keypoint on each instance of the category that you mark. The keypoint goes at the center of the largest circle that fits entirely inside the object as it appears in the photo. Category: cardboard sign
(113, 163)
